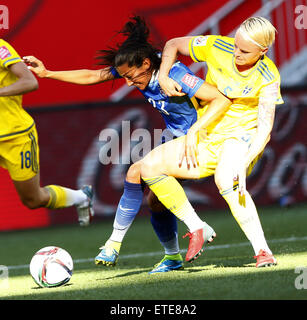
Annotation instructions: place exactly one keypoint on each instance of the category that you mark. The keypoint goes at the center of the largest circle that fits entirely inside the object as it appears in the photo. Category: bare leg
(242, 207)
(31, 193)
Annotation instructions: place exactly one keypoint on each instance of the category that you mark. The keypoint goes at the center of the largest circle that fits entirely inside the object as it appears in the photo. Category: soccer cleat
(85, 209)
(197, 239)
(166, 264)
(264, 259)
(108, 256)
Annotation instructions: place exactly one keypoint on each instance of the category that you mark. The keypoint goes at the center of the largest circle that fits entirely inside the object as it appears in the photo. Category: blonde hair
(258, 30)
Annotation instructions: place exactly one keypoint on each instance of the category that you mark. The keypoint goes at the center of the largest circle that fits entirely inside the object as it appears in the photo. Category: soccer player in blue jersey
(138, 62)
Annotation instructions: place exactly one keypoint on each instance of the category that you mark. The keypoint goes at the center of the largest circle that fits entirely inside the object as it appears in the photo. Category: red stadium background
(66, 35)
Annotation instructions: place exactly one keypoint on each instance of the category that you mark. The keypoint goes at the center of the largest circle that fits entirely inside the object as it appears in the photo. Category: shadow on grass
(273, 284)
(127, 274)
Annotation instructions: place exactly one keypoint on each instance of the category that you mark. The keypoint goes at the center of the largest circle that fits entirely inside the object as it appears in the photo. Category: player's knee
(134, 173)
(33, 200)
(223, 182)
(30, 202)
(149, 168)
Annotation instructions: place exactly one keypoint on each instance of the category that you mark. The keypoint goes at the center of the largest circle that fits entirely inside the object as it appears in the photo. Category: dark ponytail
(134, 49)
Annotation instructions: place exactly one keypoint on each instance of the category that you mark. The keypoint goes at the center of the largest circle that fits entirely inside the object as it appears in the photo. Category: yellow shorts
(20, 156)
(210, 148)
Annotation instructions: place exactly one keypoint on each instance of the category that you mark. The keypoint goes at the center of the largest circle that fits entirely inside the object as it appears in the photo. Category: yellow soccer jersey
(262, 81)
(14, 119)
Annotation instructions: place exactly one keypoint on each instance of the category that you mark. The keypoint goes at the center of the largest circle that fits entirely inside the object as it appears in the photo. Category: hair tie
(246, 36)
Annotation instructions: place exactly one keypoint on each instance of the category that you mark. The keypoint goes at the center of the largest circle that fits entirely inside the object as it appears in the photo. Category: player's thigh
(20, 156)
(232, 154)
(208, 151)
(164, 159)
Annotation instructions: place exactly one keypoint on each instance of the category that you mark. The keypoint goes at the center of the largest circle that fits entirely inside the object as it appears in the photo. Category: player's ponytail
(134, 49)
(136, 30)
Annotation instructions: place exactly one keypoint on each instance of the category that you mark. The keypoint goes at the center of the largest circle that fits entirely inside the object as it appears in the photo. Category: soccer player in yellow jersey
(229, 146)
(19, 152)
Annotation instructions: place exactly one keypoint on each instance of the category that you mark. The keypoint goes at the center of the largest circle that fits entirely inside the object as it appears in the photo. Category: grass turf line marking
(149, 254)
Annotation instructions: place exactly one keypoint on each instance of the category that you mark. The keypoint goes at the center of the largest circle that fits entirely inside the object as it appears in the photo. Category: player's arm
(26, 81)
(171, 50)
(265, 121)
(218, 104)
(82, 76)
(266, 115)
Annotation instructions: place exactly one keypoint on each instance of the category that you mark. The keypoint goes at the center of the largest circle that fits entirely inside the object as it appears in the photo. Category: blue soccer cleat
(168, 263)
(85, 209)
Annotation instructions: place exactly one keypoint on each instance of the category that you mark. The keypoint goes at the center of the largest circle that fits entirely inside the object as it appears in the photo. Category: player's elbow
(30, 84)
(173, 45)
(34, 84)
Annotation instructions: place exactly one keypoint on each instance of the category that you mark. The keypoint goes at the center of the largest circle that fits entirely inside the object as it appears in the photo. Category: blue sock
(165, 226)
(128, 207)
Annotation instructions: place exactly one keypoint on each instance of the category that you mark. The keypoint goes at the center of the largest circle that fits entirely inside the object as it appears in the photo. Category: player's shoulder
(223, 44)
(268, 69)
(211, 40)
(4, 43)
(224, 40)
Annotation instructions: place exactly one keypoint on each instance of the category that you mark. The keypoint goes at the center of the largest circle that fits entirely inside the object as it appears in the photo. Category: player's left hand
(170, 87)
(36, 66)
(240, 176)
(189, 150)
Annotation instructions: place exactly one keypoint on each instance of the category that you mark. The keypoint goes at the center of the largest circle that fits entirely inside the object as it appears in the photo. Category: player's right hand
(170, 87)
(189, 151)
(36, 66)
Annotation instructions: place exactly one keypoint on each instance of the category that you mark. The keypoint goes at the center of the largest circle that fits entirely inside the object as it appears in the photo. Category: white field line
(149, 254)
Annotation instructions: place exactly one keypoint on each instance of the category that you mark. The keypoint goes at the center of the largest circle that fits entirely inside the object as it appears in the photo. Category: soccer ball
(51, 267)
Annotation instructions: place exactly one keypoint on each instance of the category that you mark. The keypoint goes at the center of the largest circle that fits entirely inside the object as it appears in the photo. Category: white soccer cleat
(85, 209)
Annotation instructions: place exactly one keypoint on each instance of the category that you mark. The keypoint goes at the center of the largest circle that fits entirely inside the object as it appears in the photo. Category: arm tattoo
(266, 107)
(266, 113)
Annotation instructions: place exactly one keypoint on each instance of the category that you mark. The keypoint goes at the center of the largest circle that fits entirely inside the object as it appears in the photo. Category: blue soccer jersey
(179, 113)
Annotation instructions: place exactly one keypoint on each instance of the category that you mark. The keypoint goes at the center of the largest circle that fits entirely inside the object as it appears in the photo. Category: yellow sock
(114, 245)
(58, 197)
(172, 196)
(169, 192)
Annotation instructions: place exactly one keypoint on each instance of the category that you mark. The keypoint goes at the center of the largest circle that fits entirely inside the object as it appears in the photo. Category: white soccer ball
(51, 267)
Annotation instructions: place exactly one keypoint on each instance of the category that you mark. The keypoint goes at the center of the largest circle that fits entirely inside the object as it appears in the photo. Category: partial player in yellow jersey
(19, 151)
(231, 145)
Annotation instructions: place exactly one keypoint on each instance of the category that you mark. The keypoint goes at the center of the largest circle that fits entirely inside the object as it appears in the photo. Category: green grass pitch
(225, 271)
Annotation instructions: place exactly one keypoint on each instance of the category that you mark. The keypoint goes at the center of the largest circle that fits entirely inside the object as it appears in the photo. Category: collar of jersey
(154, 77)
(254, 68)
